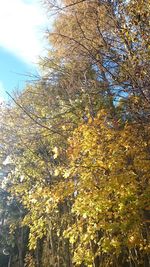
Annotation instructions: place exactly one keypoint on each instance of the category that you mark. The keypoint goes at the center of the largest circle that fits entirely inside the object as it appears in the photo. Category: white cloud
(21, 28)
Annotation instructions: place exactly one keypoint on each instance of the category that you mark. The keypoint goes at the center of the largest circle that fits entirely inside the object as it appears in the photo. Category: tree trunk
(20, 248)
(37, 254)
(9, 262)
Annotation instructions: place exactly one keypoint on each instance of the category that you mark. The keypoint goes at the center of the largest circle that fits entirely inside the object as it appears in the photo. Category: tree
(79, 141)
(109, 167)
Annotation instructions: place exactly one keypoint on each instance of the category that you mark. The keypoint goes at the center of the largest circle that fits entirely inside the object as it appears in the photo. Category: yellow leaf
(55, 150)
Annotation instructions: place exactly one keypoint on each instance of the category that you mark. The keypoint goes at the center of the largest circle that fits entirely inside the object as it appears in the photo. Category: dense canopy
(75, 143)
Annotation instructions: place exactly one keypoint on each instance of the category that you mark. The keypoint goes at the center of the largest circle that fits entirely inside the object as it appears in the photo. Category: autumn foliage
(77, 143)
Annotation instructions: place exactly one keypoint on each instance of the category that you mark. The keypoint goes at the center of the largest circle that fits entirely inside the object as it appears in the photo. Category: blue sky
(22, 25)
(13, 72)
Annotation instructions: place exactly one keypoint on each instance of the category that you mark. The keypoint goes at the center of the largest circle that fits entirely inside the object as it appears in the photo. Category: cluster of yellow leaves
(107, 179)
(110, 168)
(29, 261)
